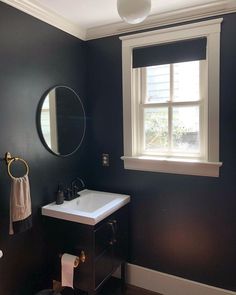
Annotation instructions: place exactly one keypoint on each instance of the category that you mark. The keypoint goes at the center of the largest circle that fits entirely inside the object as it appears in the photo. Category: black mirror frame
(38, 122)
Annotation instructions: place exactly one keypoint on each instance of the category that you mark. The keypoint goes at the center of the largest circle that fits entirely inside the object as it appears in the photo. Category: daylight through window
(172, 108)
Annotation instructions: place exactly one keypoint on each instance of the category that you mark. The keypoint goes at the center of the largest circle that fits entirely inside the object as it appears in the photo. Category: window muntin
(171, 108)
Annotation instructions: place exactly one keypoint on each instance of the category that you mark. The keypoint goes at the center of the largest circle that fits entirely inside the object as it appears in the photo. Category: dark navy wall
(181, 225)
(34, 57)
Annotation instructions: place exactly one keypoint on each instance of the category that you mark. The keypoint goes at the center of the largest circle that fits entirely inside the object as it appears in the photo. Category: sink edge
(89, 220)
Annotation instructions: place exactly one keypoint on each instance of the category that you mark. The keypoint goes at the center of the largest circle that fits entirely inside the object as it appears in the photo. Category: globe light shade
(133, 11)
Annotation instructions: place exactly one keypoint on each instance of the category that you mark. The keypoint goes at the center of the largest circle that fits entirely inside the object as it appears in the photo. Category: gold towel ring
(10, 160)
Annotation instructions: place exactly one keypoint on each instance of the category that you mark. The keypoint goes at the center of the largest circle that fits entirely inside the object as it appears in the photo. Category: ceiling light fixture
(133, 11)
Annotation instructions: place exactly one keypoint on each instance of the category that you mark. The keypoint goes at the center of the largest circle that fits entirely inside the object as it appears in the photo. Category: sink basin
(89, 208)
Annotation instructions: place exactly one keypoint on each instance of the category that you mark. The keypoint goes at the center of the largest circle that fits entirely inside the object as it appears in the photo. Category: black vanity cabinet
(105, 246)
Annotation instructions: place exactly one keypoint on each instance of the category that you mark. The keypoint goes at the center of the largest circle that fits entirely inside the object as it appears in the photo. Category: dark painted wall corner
(34, 57)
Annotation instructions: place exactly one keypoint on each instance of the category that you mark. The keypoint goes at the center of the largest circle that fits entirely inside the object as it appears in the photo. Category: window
(171, 108)
(171, 99)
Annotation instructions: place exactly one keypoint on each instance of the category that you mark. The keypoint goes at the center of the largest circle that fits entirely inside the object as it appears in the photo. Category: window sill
(175, 166)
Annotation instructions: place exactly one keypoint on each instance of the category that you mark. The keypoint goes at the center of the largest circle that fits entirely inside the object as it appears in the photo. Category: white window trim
(211, 30)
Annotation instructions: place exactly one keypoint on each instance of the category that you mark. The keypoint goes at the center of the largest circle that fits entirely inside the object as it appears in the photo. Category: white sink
(89, 208)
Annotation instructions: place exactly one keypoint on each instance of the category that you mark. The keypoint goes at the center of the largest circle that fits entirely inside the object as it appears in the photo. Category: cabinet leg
(123, 275)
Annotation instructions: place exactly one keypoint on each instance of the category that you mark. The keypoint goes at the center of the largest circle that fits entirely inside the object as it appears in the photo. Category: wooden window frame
(209, 165)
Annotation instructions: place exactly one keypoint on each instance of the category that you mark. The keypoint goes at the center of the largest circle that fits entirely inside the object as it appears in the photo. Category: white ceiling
(93, 13)
(91, 19)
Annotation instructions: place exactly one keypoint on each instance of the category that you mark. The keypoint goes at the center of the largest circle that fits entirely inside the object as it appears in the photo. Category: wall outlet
(105, 160)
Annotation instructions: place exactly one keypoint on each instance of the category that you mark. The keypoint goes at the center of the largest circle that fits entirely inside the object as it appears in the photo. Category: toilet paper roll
(67, 270)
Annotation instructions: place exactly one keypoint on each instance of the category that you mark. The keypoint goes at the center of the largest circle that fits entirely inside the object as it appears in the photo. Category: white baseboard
(167, 284)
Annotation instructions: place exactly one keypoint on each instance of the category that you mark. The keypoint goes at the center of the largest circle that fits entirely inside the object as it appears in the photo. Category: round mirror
(61, 121)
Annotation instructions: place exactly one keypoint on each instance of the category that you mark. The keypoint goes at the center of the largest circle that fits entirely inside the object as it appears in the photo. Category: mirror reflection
(62, 121)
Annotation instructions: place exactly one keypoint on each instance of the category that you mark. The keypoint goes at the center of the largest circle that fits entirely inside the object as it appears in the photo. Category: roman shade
(168, 53)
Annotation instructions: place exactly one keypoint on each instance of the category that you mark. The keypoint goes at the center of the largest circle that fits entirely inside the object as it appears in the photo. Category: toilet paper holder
(79, 259)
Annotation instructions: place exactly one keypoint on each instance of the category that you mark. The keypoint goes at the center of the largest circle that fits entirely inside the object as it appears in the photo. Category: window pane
(158, 84)
(186, 129)
(156, 129)
(186, 81)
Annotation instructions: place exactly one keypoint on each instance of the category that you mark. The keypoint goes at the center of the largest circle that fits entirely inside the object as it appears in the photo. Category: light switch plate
(105, 160)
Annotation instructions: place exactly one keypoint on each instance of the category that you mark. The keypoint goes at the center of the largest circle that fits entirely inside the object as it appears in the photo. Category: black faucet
(77, 185)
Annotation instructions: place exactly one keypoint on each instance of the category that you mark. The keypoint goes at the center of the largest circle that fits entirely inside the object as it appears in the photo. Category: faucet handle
(76, 186)
(81, 181)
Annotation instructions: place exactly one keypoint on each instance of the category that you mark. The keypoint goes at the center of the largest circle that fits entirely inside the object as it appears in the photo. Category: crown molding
(33, 8)
(36, 10)
(169, 18)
